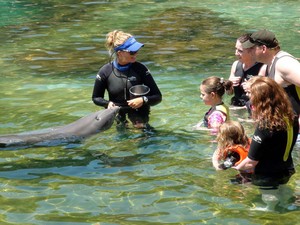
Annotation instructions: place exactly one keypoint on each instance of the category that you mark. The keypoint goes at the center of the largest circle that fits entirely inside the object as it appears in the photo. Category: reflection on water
(50, 53)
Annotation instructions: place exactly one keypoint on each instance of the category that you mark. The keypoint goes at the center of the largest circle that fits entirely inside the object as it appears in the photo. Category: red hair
(271, 105)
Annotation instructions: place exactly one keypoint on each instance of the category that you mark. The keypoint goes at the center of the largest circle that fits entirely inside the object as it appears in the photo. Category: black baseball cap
(261, 37)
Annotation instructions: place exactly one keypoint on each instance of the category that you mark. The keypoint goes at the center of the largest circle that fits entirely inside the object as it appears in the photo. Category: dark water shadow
(179, 37)
(76, 159)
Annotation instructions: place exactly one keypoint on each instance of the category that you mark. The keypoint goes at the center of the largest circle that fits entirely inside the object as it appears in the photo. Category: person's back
(277, 70)
(270, 153)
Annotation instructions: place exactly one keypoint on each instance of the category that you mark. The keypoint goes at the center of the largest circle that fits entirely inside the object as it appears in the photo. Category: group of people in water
(263, 79)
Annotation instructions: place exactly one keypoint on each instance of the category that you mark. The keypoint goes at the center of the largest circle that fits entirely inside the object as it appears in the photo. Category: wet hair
(217, 85)
(231, 133)
(271, 104)
(114, 39)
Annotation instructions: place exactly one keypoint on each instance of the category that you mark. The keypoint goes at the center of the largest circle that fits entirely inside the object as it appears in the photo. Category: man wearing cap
(281, 66)
(118, 76)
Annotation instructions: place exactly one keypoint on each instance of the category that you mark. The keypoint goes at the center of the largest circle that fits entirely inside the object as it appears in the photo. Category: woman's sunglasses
(130, 52)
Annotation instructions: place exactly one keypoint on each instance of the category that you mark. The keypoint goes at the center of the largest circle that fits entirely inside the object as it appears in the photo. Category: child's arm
(215, 160)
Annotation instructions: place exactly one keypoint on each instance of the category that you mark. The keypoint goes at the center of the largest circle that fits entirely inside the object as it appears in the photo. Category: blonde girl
(232, 141)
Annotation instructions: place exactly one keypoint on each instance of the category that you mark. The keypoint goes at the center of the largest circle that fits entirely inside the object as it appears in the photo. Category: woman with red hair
(273, 140)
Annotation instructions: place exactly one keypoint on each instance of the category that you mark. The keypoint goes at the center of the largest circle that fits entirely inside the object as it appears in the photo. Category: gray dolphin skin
(76, 131)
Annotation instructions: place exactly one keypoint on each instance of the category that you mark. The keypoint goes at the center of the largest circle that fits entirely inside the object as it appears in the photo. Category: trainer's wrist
(145, 99)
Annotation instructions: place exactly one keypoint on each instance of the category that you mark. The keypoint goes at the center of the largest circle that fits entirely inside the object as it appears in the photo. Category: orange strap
(240, 150)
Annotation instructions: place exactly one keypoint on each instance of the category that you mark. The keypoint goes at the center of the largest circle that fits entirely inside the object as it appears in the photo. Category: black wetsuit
(292, 90)
(240, 98)
(273, 150)
(117, 83)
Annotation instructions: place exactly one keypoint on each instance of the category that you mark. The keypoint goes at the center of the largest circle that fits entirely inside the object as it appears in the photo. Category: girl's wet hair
(231, 133)
(217, 85)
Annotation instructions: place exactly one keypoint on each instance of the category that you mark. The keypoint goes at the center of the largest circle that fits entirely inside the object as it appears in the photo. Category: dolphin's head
(105, 118)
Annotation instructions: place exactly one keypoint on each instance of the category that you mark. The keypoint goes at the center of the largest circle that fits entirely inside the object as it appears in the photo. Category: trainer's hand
(136, 102)
(111, 105)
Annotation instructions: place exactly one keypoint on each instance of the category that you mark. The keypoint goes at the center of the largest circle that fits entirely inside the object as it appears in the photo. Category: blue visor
(130, 45)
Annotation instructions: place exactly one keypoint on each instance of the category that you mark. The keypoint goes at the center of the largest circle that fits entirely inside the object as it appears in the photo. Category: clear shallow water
(50, 53)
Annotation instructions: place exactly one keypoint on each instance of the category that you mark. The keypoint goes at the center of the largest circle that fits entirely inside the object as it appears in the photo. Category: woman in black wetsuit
(118, 76)
(270, 153)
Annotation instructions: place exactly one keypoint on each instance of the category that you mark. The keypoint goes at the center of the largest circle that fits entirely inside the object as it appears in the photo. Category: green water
(49, 55)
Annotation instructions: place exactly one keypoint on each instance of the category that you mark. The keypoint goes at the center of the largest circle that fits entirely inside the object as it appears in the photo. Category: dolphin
(76, 131)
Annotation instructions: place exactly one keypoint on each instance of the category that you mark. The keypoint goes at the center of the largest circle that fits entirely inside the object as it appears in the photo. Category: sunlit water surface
(50, 53)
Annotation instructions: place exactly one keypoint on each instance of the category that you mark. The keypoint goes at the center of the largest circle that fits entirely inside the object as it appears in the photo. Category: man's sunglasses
(260, 43)
(256, 41)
